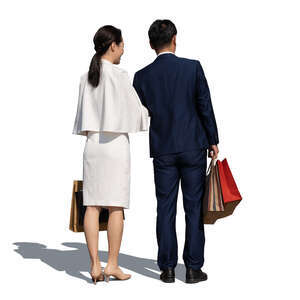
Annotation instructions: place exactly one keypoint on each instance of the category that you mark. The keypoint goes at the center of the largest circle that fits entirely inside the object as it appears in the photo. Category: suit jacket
(177, 96)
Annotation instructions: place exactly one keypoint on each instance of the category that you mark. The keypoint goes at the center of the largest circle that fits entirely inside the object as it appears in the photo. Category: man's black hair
(161, 33)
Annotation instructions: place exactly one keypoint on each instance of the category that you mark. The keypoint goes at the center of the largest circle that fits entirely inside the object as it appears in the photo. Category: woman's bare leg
(91, 231)
(114, 235)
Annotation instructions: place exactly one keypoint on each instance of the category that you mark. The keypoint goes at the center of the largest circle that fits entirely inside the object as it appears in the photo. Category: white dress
(105, 115)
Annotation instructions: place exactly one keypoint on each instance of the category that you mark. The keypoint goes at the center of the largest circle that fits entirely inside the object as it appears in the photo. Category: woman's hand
(213, 151)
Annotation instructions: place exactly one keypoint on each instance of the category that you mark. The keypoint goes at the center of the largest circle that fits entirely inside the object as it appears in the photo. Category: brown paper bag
(78, 210)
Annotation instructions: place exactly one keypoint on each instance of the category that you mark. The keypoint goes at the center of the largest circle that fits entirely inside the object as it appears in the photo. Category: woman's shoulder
(115, 74)
(83, 77)
(108, 73)
(113, 69)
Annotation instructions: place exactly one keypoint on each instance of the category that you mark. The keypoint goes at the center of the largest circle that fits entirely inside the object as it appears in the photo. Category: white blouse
(111, 106)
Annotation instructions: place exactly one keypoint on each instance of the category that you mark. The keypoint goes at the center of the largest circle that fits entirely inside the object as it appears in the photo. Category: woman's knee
(93, 208)
(112, 209)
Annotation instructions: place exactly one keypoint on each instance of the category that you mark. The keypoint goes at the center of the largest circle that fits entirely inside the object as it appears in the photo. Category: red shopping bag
(229, 188)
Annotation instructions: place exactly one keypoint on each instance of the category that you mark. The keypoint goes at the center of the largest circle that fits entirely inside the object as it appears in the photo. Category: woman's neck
(109, 58)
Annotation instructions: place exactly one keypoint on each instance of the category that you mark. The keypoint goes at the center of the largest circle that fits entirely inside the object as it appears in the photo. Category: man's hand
(213, 151)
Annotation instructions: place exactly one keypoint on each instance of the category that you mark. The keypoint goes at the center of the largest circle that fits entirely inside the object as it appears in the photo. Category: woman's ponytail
(94, 70)
(103, 38)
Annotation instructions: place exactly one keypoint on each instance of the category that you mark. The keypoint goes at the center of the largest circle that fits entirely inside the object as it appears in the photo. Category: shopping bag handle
(213, 162)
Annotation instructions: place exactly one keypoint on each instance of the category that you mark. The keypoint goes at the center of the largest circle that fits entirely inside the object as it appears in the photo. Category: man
(182, 128)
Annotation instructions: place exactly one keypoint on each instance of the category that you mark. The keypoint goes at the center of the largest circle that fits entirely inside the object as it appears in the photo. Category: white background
(250, 54)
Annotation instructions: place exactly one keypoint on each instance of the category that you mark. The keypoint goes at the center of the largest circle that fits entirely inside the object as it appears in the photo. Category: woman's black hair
(161, 33)
(103, 38)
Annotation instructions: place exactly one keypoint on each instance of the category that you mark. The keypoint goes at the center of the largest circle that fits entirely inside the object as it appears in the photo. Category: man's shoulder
(188, 61)
(144, 70)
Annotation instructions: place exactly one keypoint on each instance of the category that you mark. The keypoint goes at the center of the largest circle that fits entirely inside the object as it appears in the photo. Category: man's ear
(174, 40)
(151, 45)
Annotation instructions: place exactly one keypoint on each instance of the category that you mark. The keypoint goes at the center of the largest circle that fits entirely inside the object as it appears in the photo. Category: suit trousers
(190, 168)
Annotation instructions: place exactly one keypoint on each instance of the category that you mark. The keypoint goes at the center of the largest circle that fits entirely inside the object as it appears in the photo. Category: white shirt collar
(164, 53)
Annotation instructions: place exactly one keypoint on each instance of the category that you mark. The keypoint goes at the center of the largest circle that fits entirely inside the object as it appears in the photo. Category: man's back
(176, 94)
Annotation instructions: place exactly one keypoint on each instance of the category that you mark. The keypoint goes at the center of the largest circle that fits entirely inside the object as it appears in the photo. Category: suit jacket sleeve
(204, 106)
(137, 86)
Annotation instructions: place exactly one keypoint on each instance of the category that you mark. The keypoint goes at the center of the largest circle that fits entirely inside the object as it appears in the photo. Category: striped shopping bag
(213, 200)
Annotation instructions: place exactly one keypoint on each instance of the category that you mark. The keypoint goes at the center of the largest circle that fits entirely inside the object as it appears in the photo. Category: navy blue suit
(182, 127)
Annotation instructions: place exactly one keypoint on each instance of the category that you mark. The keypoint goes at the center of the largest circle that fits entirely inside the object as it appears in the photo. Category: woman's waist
(105, 136)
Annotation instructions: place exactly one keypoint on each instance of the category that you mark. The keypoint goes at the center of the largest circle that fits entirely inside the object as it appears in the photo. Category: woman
(108, 109)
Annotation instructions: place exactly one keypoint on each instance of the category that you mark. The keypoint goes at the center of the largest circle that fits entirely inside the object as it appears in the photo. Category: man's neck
(165, 50)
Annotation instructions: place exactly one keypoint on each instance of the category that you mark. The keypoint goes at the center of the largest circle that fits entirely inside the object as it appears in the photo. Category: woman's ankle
(95, 262)
(111, 266)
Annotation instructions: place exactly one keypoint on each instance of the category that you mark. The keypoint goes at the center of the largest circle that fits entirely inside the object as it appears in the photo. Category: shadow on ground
(76, 260)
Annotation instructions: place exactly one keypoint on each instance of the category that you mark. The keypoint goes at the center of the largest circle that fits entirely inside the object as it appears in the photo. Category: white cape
(112, 106)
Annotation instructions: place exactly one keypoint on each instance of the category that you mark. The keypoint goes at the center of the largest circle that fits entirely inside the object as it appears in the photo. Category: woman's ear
(113, 46)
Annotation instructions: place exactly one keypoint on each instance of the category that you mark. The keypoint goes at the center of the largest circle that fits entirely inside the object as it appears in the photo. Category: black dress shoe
(194, 276)
(168, 275)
